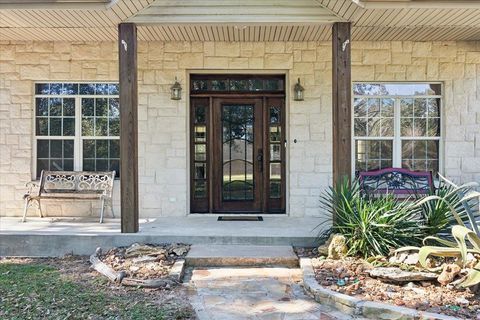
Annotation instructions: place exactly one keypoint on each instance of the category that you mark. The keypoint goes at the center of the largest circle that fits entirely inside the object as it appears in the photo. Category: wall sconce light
(298, 91)
(176, 91)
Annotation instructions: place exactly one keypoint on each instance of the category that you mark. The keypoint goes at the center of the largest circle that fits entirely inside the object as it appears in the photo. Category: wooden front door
(237, 163)
(237, 144)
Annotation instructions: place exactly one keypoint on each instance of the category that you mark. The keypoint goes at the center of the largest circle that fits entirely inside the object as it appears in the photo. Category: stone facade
(163, 142)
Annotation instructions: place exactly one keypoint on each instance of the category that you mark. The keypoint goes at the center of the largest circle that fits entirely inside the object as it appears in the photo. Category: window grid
(431, 156)
(64, 91)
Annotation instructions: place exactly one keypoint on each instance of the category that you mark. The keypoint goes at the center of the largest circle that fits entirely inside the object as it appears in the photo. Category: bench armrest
(33, 189)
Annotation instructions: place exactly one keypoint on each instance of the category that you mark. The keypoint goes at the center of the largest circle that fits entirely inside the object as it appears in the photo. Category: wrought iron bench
(396, 181)
(69, 185)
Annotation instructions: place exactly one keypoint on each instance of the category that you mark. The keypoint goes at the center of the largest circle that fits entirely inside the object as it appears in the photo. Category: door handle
(260, 159)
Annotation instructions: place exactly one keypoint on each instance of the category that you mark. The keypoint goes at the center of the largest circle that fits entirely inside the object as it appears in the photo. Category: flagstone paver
(254, 293)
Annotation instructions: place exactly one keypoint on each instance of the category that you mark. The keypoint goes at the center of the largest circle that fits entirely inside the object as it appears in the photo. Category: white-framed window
(397, 125)
(77, 127)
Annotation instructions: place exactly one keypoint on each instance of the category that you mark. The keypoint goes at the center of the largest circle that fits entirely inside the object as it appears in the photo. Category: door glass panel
(237, 150)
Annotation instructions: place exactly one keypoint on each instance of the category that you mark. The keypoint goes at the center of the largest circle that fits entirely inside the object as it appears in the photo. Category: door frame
(286, 134)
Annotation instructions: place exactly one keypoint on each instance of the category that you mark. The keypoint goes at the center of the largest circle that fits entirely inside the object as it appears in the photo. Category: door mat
(240, 218)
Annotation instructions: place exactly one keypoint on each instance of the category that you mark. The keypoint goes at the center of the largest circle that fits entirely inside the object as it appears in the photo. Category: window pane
(56, 148)
(55, 88)
(275, 114)
(88, 126)
(68, 126)
(55, 126)
(373, 154)
(101, 149)
(420, 155)
(360, 127)
(88, 148)
(200, 189)
(275, 134)
(68, 148)
(101, 88)
(200, 170)
(387, 109)
(87, 107)
(101, 126)
(113, 89)
(42, 106)
(200, 152)
(42, 88)
(68, 107)
(402, 89)
(43, 148)
(101, 107)
(70, 88)
(200, 133)
(114, 148)
(114, 127)
(406, 108)
(87, 88)
(200, 114)
(433, 127)
(420, 108)
(42, 126)
(360, 107)
(55, 107)
(114, 108)
(275, 189)
(275, 152)
(88, 165)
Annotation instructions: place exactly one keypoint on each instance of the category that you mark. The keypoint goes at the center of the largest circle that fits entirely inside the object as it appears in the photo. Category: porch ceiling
(246, 20)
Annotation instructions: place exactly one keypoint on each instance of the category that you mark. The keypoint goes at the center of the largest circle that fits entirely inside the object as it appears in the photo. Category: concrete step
(241, 255)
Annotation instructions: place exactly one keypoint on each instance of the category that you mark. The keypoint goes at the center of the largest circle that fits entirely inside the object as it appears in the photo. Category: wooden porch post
(341, 101)
(127, 48)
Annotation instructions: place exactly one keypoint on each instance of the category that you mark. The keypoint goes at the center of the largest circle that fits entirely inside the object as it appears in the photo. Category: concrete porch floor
(54, 236)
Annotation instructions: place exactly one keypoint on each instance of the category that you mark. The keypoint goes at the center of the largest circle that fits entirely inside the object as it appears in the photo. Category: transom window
(77, 127)
(397, 125)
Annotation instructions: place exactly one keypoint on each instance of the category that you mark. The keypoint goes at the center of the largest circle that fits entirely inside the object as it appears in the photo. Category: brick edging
(358, 307)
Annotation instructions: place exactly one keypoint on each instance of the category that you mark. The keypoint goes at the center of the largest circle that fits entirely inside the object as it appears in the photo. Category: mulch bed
(350, 276)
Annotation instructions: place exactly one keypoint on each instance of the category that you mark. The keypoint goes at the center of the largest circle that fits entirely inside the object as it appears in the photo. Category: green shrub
(372, 225)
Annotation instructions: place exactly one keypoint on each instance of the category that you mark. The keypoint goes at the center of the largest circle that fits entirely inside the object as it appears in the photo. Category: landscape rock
(398, 275)
(450, 271)
(337, 249)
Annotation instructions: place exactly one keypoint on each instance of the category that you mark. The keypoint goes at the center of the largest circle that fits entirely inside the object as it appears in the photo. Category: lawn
(68, 289)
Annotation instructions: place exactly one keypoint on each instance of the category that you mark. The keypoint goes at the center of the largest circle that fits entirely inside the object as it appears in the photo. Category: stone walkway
(254, 293)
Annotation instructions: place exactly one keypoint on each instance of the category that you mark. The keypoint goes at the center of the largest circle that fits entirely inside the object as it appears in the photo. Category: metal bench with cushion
(70, 185)
(397, 181)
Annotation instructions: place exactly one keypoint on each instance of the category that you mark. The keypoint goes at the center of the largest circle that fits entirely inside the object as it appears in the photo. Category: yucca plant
(371, 225)
(465, 239)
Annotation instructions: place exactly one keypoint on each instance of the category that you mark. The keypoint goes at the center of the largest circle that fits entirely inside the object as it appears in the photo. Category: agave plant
(372, 226)
(465, 240)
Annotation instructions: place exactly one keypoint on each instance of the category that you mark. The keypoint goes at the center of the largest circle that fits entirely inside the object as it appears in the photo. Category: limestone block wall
(457, 65)
(163, 126)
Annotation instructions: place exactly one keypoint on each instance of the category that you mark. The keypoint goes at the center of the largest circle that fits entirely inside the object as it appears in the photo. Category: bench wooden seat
(70, 185)
(397, 181)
